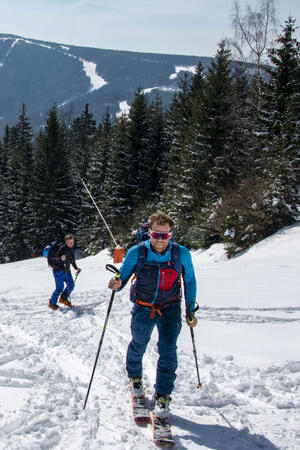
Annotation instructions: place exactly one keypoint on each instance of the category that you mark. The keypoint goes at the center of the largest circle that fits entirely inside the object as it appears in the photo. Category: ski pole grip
(113, 269)
(190, 313)
(190, 318)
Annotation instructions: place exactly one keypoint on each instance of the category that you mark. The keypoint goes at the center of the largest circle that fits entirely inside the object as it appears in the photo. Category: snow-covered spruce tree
(266, 199)
(215, 143)
(4, 155)
(234, 214)
(157, 170)
(218, 127)
(4, 237)
(93, 233)
(192, 170)
(281, 118)
(228, 142)
(19, 168)
(141, 167)
(160, 147)
(81, 139)
(52, 211)
(119, 182)
(178, 123)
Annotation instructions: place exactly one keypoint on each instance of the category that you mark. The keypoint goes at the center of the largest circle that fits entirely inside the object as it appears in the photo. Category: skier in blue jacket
(156, 293)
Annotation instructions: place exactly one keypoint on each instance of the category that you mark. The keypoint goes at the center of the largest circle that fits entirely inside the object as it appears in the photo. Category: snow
(97, 82)
(247, 342)
(182, 69)
(124, 109)
(159, 88)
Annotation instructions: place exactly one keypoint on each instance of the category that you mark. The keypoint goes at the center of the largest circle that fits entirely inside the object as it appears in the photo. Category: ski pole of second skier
(113, 269)
(76, 275)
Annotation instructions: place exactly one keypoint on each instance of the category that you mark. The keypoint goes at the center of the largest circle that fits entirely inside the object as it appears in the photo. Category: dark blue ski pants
(62, 278)
(168, 327)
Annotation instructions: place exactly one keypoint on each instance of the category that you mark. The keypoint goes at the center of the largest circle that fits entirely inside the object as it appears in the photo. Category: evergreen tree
(178, 123)
(211, 146)
(82, 135)
(139, 147)
(281, 117)
(159, 145)
(94, 233)
(190, 173)
(52, 191)
(121, 178)
(18, 187)
(219, 124)
(4, 223)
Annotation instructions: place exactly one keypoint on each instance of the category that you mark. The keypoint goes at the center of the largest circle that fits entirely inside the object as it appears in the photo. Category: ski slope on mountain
(247, 339)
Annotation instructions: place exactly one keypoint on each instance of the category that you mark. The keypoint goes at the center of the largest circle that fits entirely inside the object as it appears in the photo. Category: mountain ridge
(41, 74)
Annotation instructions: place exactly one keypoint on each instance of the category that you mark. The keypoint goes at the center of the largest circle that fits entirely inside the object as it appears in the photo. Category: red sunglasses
(158, 234)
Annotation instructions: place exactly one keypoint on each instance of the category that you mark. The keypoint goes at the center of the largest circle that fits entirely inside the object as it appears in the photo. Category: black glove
(191, 320)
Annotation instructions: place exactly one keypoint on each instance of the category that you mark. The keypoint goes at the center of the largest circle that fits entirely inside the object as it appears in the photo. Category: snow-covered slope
(248, 341)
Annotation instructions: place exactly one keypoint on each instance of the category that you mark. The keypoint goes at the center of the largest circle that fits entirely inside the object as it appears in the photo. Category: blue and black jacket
(157, 274)
(58, 264)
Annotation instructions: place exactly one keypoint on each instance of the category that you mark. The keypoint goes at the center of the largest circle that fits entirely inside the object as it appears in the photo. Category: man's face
(159, 244)
(69, 242)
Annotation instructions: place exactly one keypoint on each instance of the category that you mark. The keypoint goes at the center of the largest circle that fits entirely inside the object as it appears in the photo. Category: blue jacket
(157, 282)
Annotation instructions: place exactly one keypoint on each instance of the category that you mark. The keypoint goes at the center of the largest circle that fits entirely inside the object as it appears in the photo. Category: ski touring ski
(140, 411)
(162, 433)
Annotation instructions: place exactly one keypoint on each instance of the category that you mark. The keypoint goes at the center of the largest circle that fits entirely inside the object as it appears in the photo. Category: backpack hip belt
(156, 308)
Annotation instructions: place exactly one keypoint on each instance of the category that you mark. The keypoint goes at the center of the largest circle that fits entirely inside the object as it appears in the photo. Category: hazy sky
(188, 27)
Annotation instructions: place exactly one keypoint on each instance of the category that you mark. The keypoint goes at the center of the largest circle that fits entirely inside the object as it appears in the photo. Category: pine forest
(222, 159)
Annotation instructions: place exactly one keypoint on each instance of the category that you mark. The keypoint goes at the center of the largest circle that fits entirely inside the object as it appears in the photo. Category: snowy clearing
(248, 341)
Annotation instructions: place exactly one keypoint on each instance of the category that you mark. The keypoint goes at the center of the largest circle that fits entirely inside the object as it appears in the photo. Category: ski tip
(162, 435)
(163, 443)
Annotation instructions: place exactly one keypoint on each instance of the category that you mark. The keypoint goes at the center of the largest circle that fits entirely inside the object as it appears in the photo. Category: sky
(191, 27)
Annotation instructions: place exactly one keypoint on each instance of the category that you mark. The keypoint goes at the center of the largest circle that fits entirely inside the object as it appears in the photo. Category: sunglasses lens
(157, 235)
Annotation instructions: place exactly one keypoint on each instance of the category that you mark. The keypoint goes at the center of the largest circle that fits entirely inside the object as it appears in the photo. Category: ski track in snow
(46, 360)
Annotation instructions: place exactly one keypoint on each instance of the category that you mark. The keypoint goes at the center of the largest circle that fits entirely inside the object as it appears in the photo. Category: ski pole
(76, 275)
(194, 351)
(118, 251)
(101, 215)
(67, 281)
(113, 269)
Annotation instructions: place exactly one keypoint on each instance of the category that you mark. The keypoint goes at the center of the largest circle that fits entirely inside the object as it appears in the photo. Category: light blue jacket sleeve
(189, 279)
(129, 264)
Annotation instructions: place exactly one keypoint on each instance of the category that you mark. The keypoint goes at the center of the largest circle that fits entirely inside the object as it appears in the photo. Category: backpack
(50, 252)
(142, 233)
(142, 236)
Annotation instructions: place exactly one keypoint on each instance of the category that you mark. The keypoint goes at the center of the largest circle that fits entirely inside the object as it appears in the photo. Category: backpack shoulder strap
(141, 258)
(57, 246)
(176, 257)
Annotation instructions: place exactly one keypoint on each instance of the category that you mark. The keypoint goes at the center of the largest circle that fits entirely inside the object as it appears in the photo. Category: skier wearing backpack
(158, 264)
(61, 258)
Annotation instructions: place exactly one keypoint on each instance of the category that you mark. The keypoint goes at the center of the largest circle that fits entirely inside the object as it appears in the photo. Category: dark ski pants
(61, 278)
(168, 326)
